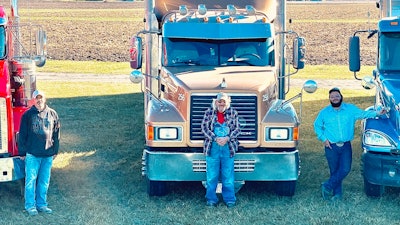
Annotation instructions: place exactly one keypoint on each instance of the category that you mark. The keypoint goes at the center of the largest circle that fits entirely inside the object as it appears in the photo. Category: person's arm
(206, 126)
(56, 133)
(319, 127)
(23, 135)
(363, 114)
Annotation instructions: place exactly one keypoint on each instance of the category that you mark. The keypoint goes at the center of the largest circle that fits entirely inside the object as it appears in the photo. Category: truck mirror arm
(368, 83)
(310, 86)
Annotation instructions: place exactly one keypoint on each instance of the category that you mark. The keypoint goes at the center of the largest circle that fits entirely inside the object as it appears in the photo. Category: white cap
(37, 92)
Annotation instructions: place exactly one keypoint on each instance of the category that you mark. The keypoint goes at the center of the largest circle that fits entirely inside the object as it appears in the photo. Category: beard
(335, 105)
(221, 108)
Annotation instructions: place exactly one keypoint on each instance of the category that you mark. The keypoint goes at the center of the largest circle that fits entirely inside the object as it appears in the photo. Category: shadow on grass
(97, 178)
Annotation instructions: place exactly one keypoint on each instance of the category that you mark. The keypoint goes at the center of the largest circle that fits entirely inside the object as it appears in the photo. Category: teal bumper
(260, 166)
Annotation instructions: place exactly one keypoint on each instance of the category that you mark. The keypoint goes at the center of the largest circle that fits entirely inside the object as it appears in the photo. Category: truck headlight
(376, 139)
(277, 134)
(168, 133)
(165, 134)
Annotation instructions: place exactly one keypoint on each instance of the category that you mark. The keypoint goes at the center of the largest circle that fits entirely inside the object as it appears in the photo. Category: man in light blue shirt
(334, 126)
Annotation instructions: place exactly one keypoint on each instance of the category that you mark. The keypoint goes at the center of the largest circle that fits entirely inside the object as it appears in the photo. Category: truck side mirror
(299, 52)
(354, 54)
(41, 46)
(135, 52)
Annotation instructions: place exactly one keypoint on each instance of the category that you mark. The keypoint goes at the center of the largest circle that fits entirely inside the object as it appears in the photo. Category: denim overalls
(220, 162)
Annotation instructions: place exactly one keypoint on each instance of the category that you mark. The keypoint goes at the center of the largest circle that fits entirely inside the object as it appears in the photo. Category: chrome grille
(240, 165)
(246, 105)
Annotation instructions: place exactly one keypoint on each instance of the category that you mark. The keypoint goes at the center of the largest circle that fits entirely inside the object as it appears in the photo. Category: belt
(340, 143)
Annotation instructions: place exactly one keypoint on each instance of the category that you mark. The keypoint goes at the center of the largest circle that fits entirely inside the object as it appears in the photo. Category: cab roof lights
(202, 9)
(231, 10)
(183, 10)
(251, 11)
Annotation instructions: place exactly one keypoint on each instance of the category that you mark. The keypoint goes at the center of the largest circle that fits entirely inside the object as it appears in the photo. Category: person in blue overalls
(221, 128)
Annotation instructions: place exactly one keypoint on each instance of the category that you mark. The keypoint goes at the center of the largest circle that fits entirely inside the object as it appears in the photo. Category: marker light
(150, 132)
(264, 19)
(202, 9)
(296, 134)
(183, 10)
(218, 19)
(231, 10)
(251, 11)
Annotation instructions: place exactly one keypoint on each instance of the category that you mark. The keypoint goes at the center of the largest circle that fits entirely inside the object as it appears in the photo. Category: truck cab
(185, 56)
(22, 48)
(380, 136)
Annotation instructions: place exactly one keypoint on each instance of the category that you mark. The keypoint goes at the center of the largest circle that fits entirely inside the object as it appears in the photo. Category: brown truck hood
(246, 78)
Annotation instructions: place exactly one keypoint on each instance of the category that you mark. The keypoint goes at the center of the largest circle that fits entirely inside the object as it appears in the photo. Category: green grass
(96, 178)
(86, 67)
(336, 72)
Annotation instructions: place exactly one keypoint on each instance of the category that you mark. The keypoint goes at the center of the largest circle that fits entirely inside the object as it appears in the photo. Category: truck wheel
(285, 188)
(373, 190)
(156, 188)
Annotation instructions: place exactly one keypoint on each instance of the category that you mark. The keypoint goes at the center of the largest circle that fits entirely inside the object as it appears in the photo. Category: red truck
(22, 48)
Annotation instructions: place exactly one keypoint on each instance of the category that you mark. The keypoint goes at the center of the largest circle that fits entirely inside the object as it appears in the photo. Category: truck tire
(285, 188)
(156, 188)
(373, 190)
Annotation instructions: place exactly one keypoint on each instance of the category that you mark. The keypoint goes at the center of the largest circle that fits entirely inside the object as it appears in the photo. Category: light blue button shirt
(337, 125)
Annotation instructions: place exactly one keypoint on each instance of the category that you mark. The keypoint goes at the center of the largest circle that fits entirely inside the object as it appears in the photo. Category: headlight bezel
(376, 138)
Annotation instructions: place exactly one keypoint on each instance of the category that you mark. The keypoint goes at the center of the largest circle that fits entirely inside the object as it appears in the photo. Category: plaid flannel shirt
(207, 126)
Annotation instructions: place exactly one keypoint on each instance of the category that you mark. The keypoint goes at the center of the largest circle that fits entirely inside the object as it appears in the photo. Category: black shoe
(336, 198)
(211, 204)
(230, 204)
(326, 193)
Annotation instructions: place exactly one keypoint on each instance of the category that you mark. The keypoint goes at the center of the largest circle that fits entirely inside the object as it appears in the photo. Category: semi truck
(188, 52)
(380, 140)
(22, 48)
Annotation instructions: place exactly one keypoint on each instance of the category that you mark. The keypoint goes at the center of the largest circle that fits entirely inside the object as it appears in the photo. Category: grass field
(97, 179)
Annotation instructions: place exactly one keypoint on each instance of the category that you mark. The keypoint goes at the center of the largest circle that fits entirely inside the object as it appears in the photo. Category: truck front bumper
(260, 166)
(381, 169)
(11, 168)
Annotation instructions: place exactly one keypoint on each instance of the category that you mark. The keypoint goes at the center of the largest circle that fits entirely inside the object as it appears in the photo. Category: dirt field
(72, 35)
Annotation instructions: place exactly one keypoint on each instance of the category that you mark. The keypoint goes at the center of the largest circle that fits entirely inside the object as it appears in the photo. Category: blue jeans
(220, 162)
(37, 179)
(339, 162)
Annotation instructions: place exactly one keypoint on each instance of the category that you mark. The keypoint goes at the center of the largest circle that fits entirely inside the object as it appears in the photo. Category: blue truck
(191, 51)
(381, 136)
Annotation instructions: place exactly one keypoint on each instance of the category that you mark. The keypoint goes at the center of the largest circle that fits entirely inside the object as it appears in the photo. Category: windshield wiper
(187, 62)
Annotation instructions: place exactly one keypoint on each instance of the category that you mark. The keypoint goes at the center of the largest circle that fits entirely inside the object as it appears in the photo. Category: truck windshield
(182, 52)
(2, 42)
(389, 51)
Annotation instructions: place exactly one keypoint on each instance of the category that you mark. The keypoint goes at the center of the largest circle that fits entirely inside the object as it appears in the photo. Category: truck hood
(246, 78)
(390, 88)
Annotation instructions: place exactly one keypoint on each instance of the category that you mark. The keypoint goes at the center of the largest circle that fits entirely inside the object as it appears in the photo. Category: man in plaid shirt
(221, 128)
